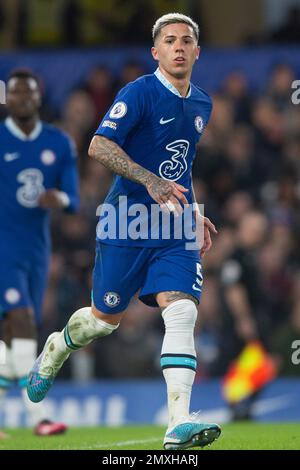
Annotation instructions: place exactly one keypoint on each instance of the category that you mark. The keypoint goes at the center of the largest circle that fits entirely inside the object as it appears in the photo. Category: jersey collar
(169, 85)
(17, 132)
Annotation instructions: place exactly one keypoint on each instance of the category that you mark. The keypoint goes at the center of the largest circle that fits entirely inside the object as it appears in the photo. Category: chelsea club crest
(199, 124)
(111, 299)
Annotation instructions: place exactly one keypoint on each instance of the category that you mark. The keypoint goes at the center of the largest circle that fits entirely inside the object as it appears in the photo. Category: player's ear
(198, 53)
(154, 53)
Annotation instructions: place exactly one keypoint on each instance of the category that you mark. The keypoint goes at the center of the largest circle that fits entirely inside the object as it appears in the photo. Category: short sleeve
(124, 115)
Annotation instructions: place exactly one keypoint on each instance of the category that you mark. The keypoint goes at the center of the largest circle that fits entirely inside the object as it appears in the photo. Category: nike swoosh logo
(165, 121)
(10, 157)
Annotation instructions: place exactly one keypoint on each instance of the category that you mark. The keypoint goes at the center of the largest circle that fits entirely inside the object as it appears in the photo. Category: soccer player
(148, 138)
(37, 173)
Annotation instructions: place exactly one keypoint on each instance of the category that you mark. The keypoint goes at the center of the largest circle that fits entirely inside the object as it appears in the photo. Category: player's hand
(207, 242)
(51, 199)
(167, 194)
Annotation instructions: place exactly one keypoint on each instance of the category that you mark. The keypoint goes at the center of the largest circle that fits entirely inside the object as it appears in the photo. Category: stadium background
(84, 51)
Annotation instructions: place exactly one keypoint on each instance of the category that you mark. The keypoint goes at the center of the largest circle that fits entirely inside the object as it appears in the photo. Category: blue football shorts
(22, 284)
(121, 271)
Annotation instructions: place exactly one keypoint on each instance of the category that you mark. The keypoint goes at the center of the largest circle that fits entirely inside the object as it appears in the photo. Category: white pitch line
(119, 444)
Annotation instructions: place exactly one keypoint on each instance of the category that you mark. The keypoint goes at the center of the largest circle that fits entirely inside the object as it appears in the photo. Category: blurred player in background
(37, 173)
(148, 138)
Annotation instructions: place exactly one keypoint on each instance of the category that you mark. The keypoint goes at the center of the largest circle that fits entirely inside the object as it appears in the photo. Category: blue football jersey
(159, 129)
(29, 166)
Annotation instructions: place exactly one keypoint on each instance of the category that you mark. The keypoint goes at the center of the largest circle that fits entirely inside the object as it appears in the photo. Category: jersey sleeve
(69, 180)
(124, 115)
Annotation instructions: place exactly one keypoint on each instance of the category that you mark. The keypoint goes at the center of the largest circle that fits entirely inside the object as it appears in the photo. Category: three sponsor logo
(176, 166)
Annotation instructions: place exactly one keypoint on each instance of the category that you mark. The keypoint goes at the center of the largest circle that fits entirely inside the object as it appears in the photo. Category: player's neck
(182, 85)
(26, 125)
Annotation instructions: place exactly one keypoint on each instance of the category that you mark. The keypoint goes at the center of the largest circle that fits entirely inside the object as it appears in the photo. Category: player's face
(176, 50)
(23, 97)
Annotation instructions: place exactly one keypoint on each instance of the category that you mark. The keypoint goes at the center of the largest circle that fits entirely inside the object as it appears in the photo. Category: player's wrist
(151, 178)
(63, 199)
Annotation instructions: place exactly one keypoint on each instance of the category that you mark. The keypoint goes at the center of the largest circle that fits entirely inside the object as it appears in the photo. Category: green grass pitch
(239, 436)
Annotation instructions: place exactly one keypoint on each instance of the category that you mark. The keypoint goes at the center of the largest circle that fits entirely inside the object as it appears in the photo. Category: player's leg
(175, 280)
(6, 369)
(178, 355)
(85, 325)
(20, 334)
(23, 340)
(111, 295)
(19, 329)
(179, 362)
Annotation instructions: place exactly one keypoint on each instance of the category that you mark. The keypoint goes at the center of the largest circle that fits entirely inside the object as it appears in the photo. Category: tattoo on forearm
(112, 156)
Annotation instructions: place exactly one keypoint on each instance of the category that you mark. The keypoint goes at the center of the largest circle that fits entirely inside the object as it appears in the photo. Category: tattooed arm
(113, 157)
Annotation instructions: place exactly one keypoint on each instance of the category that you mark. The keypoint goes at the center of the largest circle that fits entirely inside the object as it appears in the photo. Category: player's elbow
(95, 147)
(92, 149)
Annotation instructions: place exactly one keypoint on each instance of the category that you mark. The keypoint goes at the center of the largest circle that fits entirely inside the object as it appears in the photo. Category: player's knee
(21, 323)
(180, 315)
(111, 319)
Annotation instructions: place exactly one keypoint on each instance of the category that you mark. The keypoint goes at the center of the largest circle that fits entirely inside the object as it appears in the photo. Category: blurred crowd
(247, 174)
(88, 23)
(74, 23)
